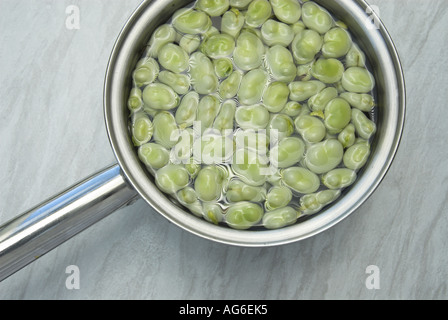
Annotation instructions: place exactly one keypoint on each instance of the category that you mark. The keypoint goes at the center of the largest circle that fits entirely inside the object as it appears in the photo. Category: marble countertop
(52, 135)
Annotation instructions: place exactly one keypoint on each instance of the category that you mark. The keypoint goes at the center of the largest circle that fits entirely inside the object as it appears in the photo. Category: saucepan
(34, 233)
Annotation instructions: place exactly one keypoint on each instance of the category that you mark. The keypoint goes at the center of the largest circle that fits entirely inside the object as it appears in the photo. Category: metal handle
(38, 231)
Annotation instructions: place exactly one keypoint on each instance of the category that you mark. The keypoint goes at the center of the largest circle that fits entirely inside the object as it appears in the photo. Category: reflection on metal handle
(36, 232)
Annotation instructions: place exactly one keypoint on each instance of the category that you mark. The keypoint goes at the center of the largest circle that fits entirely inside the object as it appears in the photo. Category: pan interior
(384, 63)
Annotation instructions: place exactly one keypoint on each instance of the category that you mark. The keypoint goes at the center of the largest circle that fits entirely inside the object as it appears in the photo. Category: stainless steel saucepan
(44, 227)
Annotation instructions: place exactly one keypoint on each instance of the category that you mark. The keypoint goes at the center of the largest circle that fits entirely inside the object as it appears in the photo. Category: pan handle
(41, 229)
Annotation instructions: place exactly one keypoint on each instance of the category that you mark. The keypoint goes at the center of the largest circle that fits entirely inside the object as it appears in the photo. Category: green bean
(208, 109)
(281, 63)
(357, 155)
(182, 151)
(278, 197)
(153, 155)
(313, 203)
(306, 45)
(365, 128)
(328, 70)
(292, 109)
(338, 114)
(243, 215)
(311, 129)
(161, 36)
(319, 101)
(240, 4)
(166, 132)
(258, 12)
(232, 22)
(190, 43)
(252, 87)
(276, 33)
(276, 96)
(339, 178)
(300, 180)
(239, 191)
(250, 167)
(191, 21)
(173, 58)
(337, 43)
(212, 213)
(142, 129)
(186, 113)
(250, 139)
(324, 156)
(172, 178)
(202, 74)
(358, 80)
(159, 96)
(347, 137)
(355, 57)
(249, 51)
(287, 11)
(280, 126)
(316, 18)
(226, 117)
(223, 67)
(189, 199)
(218, 46)
(230, 86)
(135, 101)
(146, 72)
(303, 90)
(280, 218)
(180, 83)
(209, 183)
(213, 8)
(363, 102)
(287, 153)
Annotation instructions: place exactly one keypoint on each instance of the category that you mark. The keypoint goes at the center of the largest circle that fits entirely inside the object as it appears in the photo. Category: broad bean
(303, 90)
(202, 72)
(278, 197)
(313, 203)
(209, 183)
(347, 137)
(361, 101)
(173, 58)
(252, 117)
(252, 87)
(319, 101)
(249, 51)
(190, 43)
(166, 132)
(180, 83)
(239, 191)
(146, 72)
(281, 64)
(153, 155)
(159, 96)
(287, 153)
(186, 113)
(243, 215)
(258, 12)
(337, 43)
(328, 70)
(135, 101)
(324, 156)
(280, 218)
(212, 212)
(232, 22)
(250, 167)
(252, 140)
(208, 109)
(223, 67)
(230, 86)
(316, 18)
(276, 96)
(300, 180)
(276, 33)
(287, 11)
(355, 57)
(338, 114)
(226, 117)
(190, 21)
(311, 129)
(358, 80)
(357, 155)
(280, 126)
(339, 178)
(161, 36)
(142, 129)
(292, 109)
(365, 128)
(172, 178)
(213, 8)
(306, 45)
(218, 46)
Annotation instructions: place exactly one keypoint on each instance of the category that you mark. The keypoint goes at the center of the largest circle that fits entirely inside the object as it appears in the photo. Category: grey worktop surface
(52, 135)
